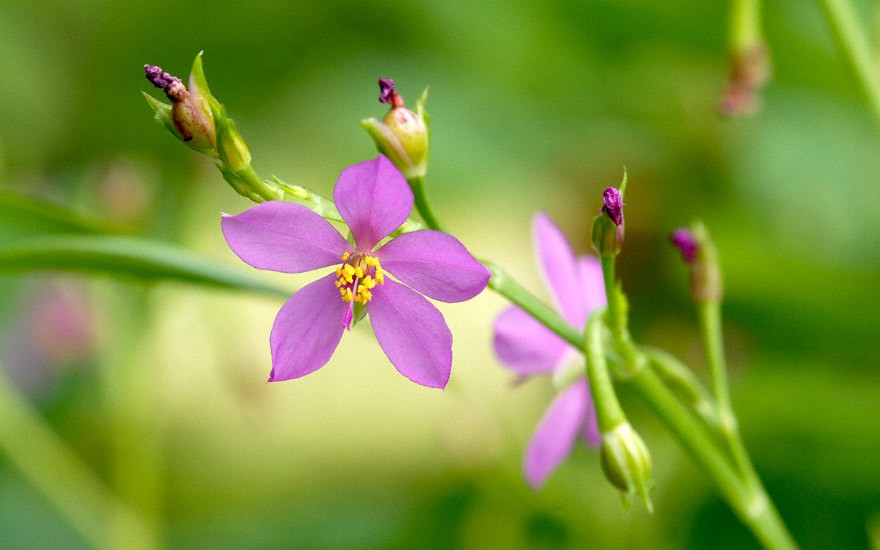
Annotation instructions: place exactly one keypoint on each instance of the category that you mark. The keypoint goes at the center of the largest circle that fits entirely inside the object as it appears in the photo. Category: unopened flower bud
(698, 250)
(190, 117)
(626, 462)
(613, 205)
(402, 135)
(607, 234)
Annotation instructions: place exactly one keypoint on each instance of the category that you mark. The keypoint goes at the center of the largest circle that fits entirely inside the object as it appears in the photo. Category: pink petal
(307, 330)
(285, 237)
(555, 436)
(592, 283)
(412, 334)
(525, 345)
(435, 264)
(374, 199)
(559, 269)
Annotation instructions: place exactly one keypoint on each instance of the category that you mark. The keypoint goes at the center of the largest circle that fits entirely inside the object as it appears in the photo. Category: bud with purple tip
(190, 116)
(607, 234)
(698, 250)
(613, 205)
(402, 135)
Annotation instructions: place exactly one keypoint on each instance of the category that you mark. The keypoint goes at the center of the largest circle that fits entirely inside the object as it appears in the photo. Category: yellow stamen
(358, 276)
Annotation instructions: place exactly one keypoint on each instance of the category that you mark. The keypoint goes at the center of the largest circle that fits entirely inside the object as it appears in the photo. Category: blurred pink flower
(529, 348)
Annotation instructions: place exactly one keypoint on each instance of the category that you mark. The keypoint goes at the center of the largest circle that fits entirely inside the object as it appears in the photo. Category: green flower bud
(626, 462)
(402, 135)
(189, 117)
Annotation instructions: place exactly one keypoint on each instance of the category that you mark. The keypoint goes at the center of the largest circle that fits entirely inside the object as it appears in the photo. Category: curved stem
(504, 285)
(609, 415)
(417, 184)
(854, 45)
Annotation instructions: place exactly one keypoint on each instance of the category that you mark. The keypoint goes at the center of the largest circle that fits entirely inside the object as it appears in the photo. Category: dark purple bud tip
(613, 205)
(172, 85)
(388, 94)
(686, 243)
(386, 86)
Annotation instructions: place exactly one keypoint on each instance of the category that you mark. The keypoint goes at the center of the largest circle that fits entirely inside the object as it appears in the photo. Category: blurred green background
(534, 105)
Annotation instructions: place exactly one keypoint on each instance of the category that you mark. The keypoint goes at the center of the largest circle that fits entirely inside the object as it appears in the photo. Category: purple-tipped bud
(686, 243)
(402, 135)
(699, 252)
(173, 86)
(607, 234)
(613, 205)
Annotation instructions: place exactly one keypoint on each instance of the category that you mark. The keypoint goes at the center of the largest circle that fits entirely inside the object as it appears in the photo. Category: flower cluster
(374, 199)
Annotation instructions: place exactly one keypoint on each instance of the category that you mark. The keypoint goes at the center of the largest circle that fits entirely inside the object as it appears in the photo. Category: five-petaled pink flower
(374, 199)
(529, 348)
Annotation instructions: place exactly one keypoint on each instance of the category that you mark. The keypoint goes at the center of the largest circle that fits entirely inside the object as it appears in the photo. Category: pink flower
(529, 348)
(374, 199)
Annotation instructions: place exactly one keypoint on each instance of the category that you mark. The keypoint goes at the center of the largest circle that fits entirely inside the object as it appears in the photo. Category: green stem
(617, 315)
(681, 380)
(417, 183)
(609, 415)
(59, 474)
(745, 25)
(710, 327)
(748, 500)
(504, 285)
(854, 46)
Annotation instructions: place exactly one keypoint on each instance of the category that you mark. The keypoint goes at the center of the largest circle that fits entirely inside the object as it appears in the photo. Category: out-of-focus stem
(855, 48)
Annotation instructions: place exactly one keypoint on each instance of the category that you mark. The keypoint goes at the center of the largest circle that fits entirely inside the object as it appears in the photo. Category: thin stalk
(609, 415)
(504, 285)
(684, 383)
(855, 48)
(417, 184)
(713, 343)
(745, 25)
(617, 315)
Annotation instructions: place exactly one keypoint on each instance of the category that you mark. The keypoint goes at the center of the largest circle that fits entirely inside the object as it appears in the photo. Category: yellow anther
(345, 256)
(359, 272)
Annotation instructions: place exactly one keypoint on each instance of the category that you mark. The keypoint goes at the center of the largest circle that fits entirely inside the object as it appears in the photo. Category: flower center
(357, 277)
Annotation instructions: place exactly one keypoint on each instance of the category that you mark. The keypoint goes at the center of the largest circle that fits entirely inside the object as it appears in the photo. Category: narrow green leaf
(130, 258)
